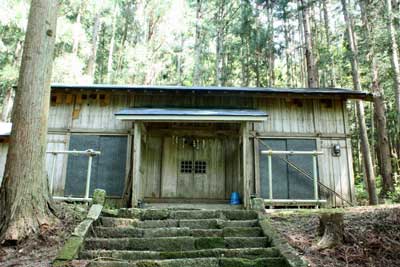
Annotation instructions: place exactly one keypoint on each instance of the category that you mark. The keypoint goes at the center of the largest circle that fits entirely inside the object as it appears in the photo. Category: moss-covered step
(117, 222)
(239, 215)
(199, 262)
(196, 214)
(175, 243)
(141, 232)
(249, 253)
(240, 223)
(242, 231)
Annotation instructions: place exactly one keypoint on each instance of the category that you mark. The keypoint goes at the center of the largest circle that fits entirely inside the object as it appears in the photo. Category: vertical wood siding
(334, 172)
(57, 142)
(92, 115)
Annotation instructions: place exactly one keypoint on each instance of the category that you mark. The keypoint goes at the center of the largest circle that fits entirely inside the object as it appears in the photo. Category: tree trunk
(271, 49)
(287, 48)
(77, 28)
(365, 148)
(111, 49)
(312, 76)
(395, 66)
(91, 68)
(331, 229)
(385, 165)
(24, 195)
(331, 73)
(197, 46)
(220, 40)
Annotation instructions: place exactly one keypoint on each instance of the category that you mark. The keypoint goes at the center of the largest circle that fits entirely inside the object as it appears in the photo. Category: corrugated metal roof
(345, 93)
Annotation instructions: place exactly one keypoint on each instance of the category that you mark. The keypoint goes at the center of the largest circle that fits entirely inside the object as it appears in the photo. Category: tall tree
(312, 74)
(220, 18)
(395, 66)
(91, 67)
(197, 45)
(331, 72)
(24, 194)
(365, 147)
(379, 103)
(77, 27)
(112, 41)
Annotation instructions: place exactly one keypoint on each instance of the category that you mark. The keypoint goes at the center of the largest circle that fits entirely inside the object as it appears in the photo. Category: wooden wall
(324, 120)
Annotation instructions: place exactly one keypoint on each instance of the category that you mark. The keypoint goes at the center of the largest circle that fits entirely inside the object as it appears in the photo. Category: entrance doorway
(189, 163)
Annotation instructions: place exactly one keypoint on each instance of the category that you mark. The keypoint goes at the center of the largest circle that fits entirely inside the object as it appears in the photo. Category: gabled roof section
(310, 92)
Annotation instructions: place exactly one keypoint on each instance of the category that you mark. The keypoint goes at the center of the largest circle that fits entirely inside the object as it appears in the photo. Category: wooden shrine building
(199, 144)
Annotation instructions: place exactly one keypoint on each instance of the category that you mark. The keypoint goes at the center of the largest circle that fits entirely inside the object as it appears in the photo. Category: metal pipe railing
(315, 170)
(90, 153)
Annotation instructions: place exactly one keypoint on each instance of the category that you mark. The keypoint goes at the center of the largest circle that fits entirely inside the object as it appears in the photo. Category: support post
(315, 176)
(270, 176)
(52, 174)
(89, 172)
(136, 161)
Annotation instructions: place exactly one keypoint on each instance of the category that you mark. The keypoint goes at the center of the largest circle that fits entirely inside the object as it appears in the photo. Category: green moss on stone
(147, 264)
(71, 248)
(99, 196)
(209, 242)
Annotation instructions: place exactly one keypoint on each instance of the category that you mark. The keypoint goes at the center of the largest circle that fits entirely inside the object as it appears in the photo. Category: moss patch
(209, 242)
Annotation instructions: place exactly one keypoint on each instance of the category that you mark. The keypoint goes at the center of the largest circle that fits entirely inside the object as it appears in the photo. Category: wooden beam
(257, 167)
(245, 169)
(136, 160)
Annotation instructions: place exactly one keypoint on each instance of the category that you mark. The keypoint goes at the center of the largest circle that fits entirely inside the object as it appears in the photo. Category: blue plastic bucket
(235, 198)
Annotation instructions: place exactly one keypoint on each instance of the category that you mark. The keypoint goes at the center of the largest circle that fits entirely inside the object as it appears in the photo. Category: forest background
(261, 43)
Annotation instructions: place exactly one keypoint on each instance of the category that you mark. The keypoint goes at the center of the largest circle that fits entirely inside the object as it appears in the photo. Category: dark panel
(112, 165)
(75, 182)
(108, 169)
(279, 170)
(301, 187)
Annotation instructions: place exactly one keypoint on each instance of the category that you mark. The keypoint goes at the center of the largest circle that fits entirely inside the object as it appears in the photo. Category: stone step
(105, 232)
(190, 223)
(132, 255)
(164, 214)
(175, 243)
(198, 262)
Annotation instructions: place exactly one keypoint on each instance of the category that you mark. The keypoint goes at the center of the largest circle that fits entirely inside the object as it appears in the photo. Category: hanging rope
(307, 175)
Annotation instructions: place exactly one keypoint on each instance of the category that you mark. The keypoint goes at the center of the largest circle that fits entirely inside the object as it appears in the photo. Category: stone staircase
(179, 238)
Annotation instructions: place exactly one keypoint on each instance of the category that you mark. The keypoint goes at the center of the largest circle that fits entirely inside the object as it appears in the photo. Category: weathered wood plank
(169, 168)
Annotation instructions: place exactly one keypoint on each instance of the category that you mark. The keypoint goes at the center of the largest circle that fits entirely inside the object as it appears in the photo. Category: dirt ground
(372, 236)
(41, 250)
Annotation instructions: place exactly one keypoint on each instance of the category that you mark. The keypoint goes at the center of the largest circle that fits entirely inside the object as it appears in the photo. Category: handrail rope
(307, 175)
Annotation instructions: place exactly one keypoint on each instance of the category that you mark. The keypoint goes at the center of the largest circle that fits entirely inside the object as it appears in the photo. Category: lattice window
(186, 166)
(200, 166)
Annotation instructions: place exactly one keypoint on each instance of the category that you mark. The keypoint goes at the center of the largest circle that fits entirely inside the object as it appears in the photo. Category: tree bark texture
(24, 192)
(395, 64)
(77, 28)
(385, 164)
(111, 49)
(271, 49)
(331, 229)
(91, 68)
(365, 147)
(220, 40)
(312, 75)
(197, 45)
(331, 72)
